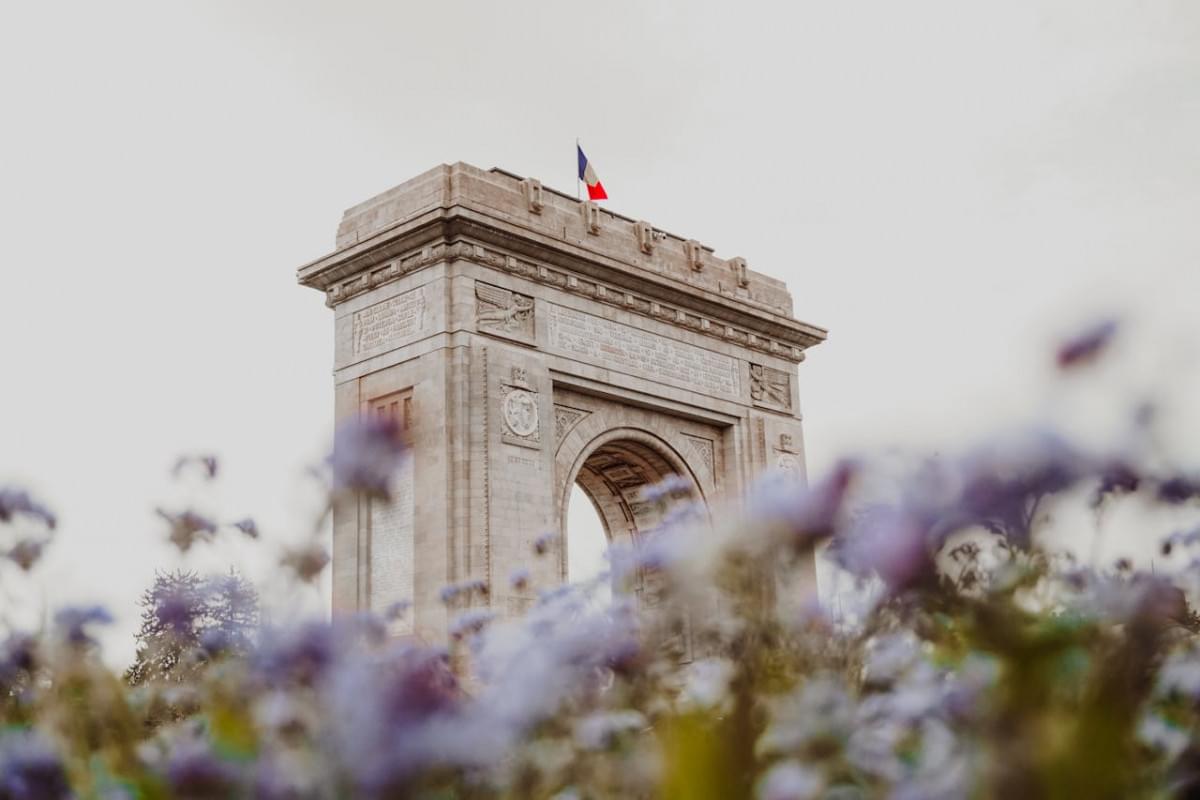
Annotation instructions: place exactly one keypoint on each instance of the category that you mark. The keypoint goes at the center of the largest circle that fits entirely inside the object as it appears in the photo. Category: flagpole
(577, 197)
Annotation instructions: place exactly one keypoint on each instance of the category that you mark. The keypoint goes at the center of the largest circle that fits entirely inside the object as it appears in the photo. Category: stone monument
(532, 342)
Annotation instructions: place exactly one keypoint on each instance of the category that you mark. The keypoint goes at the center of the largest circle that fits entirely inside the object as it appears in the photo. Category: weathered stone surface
(534, 342)
(596, 340)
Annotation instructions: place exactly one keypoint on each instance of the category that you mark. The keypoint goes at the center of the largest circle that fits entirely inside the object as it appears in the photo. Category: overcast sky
(946, 186)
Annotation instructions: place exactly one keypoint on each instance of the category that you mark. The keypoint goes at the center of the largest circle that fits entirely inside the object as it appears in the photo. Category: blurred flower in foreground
(1087, 345)
(367, 451)
(247, 526)
(187, 528)
(470, 622)
(672, 487)
(599, 731)
(397, 610)
(543, 543)
(73, 623)
(890, 543)
(807, 513)
(306, 561)
(707, 671)
(518, 579)
(206, 465)
(30, 769)
(790, 780)
(195, 771)
(25, 553)
(14, 501)
(464, 590)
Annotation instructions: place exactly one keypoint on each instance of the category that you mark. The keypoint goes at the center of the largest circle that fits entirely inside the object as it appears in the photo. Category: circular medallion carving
(787, 463)
(521, 412)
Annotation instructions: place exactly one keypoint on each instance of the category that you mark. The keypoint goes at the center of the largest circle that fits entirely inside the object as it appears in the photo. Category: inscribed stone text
(389, 322)
(392, 548)
(622, 347)
(525, 462)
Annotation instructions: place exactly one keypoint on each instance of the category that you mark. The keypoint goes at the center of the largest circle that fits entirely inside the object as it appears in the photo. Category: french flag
(588, 176)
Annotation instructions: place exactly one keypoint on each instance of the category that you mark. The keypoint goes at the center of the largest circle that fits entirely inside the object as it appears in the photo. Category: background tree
(187, 619)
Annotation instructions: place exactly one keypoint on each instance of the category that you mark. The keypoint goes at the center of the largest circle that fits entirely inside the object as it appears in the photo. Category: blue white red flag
(588, 176)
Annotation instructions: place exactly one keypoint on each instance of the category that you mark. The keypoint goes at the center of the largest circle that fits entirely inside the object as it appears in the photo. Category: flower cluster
(983, 659)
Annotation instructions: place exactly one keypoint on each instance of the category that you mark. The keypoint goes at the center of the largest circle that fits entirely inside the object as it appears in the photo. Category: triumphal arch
(532, 342)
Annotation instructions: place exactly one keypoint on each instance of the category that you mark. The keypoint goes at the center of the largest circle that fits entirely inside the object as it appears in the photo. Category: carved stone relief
(787, 459)
(566, 418)
(503, 312)
(519, 410)
(770, 387)
(703, 450)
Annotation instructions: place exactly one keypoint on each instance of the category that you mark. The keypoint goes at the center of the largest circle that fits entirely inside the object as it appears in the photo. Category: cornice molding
(435, 236)
(673, 314)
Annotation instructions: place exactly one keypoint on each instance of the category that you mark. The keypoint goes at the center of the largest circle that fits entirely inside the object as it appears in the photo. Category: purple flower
(1180, 538)
(519, 579)
(658, 549)
(307, 562)
(30, 769)
(398, 713)
(542, 544)
(891, 543)
(26, 553)
(196, 773)
(1087, 345)
(1004, 483)
(73, 623)
(207, 465)
(470, 623)
(397, 610)
(1178, 489)
(367, 451)
(247, 526)
(187, 528)
(1116, 478)
(454, 591)
(14, 501)
(669, 488)
(18, 653)
(810, 513)
(301, 655)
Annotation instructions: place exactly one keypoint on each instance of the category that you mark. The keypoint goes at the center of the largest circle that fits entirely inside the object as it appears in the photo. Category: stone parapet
(517, 225)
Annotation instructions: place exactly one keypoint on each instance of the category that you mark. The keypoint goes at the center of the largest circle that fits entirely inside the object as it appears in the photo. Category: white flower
(790, 780)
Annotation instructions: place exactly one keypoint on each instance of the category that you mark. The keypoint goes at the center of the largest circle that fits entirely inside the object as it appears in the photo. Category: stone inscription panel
(622, 347)
(392, 551)
(389, 323)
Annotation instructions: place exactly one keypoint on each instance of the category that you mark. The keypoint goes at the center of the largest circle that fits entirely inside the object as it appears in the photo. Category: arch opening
(604, 503)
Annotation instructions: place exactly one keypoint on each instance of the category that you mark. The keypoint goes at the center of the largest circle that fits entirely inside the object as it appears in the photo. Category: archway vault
(613, 452)
(614, 469)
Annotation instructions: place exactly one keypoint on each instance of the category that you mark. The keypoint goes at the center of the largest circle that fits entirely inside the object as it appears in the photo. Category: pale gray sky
(946, 186)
